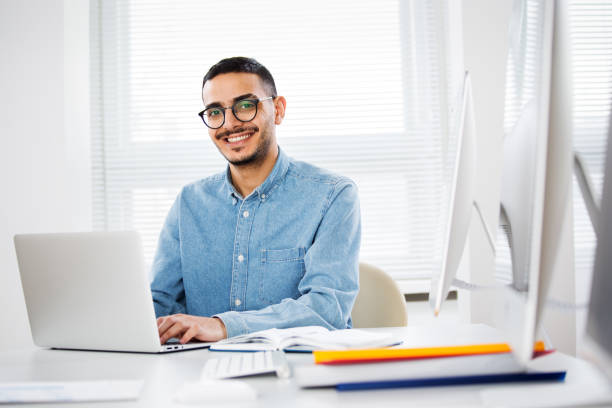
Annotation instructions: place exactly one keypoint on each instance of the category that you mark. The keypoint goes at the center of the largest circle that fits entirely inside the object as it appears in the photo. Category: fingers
(174, 331)
(188, 327)
(172, 326)
(165, 322)
(190, 333)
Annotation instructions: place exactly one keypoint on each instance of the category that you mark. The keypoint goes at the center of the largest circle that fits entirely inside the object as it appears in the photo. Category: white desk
(164, 374)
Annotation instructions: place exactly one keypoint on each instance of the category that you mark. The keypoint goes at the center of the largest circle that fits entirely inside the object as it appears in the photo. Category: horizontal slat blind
(523, 81)
(364, 82)
(591, 50)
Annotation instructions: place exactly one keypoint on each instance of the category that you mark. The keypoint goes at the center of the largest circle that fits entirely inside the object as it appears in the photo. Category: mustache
(236, 131)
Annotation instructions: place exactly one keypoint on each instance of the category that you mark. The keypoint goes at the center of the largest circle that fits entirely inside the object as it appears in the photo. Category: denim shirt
(285, 256)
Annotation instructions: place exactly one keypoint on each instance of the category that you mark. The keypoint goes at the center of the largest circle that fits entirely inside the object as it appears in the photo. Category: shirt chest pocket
(281, 272)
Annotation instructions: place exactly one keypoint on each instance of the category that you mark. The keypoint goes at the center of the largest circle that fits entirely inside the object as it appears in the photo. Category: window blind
(367, 87)
(523, 81)
(591, 50)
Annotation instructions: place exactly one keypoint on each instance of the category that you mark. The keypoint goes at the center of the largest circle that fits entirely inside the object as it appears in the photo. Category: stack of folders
(418, 367)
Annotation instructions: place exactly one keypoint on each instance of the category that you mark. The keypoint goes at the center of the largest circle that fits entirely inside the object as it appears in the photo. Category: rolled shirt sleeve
(167, 286)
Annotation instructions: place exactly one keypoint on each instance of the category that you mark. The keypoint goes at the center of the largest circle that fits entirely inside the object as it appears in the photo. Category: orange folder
(390, 354)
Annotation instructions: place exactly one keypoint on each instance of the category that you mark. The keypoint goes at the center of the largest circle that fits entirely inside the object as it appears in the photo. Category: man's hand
(187, 327)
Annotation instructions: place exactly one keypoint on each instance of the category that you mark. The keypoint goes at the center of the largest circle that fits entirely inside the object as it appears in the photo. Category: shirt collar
(264, 189)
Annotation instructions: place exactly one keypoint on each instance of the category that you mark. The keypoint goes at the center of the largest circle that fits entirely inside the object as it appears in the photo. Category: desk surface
(164, 375)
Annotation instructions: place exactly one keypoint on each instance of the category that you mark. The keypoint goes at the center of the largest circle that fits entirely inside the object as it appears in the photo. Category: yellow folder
(387, 354)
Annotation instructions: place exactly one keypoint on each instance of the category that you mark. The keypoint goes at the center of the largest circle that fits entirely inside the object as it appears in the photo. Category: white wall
(44, 134)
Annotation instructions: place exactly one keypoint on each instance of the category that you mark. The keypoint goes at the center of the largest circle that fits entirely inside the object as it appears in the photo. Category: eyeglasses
(244, 110)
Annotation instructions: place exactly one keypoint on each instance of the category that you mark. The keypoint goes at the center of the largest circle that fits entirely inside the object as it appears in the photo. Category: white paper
(69, 391)
(307, 337)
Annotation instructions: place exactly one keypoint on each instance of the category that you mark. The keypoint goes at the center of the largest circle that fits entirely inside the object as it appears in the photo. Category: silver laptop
(89, 291)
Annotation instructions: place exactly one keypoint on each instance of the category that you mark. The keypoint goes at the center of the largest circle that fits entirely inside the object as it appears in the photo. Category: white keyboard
(245, 364)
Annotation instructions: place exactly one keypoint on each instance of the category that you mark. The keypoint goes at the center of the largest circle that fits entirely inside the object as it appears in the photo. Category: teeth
(237, 139)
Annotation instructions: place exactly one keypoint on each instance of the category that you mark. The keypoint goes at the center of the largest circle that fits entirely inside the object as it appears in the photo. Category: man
(270, 242)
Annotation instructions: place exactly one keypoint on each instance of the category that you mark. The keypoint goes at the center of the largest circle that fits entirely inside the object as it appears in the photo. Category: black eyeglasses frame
(255, 101)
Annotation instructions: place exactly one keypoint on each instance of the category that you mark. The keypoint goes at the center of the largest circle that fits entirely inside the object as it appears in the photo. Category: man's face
(242, 143)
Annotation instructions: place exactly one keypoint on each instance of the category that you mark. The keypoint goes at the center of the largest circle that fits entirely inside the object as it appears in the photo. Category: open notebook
(305, 339)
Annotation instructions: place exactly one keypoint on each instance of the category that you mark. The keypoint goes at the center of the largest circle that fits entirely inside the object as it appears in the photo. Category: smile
(238, 138)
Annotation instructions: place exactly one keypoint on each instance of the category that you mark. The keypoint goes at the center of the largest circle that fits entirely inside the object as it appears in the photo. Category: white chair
(379, 302)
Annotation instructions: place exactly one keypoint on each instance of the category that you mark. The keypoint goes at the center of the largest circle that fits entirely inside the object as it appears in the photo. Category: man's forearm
(313, 309)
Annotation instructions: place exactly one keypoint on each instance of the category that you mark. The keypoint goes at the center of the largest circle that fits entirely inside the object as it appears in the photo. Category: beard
(257, 157)
(260, 153)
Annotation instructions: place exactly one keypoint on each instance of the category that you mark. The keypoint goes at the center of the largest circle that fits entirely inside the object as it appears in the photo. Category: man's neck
(247, 178)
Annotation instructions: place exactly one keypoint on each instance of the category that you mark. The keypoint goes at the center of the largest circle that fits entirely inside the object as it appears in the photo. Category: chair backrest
(379, 302)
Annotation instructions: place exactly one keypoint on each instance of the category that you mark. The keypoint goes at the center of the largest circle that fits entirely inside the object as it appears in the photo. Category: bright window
(367, 85)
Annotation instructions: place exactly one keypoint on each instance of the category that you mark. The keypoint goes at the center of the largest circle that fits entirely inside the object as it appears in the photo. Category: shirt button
(245, 214)
(263, 196)
(240, 258)
(237, 302)
(234, 201)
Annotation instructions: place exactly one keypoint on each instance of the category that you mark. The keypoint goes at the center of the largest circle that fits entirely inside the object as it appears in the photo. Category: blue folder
(463, 380)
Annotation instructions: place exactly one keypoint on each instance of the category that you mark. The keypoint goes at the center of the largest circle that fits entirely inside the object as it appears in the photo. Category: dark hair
(242, 64)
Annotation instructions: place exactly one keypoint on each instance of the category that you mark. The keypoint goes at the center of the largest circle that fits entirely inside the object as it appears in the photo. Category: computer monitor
(536, 177)
(536, 174)
(461, 199)
(598, 335)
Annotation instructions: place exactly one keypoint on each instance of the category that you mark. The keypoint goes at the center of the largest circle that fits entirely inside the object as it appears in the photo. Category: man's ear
(280, 104)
